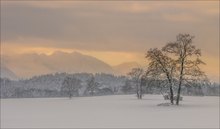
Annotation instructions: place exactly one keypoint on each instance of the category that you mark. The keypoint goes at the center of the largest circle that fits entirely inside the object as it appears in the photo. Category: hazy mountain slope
(28, 65)
(7, 73)
(124, 68)
(77, 62)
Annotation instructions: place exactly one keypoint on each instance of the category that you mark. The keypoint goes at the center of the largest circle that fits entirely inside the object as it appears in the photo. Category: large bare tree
(161, 66)
(188, 60)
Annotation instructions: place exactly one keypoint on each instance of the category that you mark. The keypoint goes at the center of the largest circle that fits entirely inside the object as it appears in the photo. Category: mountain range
(28, 65)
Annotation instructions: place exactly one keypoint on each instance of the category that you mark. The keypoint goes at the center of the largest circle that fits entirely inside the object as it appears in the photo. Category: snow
(117, 111)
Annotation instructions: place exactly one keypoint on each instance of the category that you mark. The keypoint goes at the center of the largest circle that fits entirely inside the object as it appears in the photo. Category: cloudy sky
(113, 31)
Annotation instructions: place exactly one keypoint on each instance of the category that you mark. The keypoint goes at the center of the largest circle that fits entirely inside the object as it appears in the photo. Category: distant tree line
(84, 84)
(62, 85)
(160, 87)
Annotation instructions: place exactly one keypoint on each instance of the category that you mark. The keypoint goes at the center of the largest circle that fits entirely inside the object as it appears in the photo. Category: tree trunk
(171, 93)
(70, 96)
(180, 83)
(137, 90)
(178, 93)
(92, 92)
(140, 92)
(171, 88)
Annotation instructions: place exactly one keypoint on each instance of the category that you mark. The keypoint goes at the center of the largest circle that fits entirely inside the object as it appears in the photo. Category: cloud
(108, 26)
(180, 17)
(43, 4)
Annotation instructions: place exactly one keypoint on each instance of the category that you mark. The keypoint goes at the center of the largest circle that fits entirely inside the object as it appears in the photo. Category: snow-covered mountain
(28, 65)
(7, 73)
(124, 68)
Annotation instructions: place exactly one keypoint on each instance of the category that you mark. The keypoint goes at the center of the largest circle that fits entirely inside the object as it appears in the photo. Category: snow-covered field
(119, 111)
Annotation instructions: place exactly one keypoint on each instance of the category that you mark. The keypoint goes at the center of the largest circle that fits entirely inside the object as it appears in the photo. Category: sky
(112, 31)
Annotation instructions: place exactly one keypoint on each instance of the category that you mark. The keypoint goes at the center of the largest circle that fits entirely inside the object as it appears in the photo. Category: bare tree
(136, 75)
(92, 85)
(71, 86)
(187, 58)
(162, 66)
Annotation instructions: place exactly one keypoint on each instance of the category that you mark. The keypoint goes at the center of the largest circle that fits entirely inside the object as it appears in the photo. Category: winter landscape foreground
(116, 111)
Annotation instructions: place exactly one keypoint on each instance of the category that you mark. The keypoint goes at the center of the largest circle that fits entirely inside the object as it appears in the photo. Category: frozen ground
(109, 112)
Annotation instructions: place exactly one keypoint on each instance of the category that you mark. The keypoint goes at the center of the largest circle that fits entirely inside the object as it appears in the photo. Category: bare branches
(186, 67)
(179, 59)
(136, 75)
(161, 66)
(160, 63)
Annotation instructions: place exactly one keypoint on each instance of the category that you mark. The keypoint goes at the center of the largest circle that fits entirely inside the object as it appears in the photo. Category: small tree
(136, 75)
(71, 86)
(187, 58)
(92, 86)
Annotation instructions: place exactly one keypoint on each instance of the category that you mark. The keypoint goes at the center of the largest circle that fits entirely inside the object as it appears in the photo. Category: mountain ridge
(28, 65)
